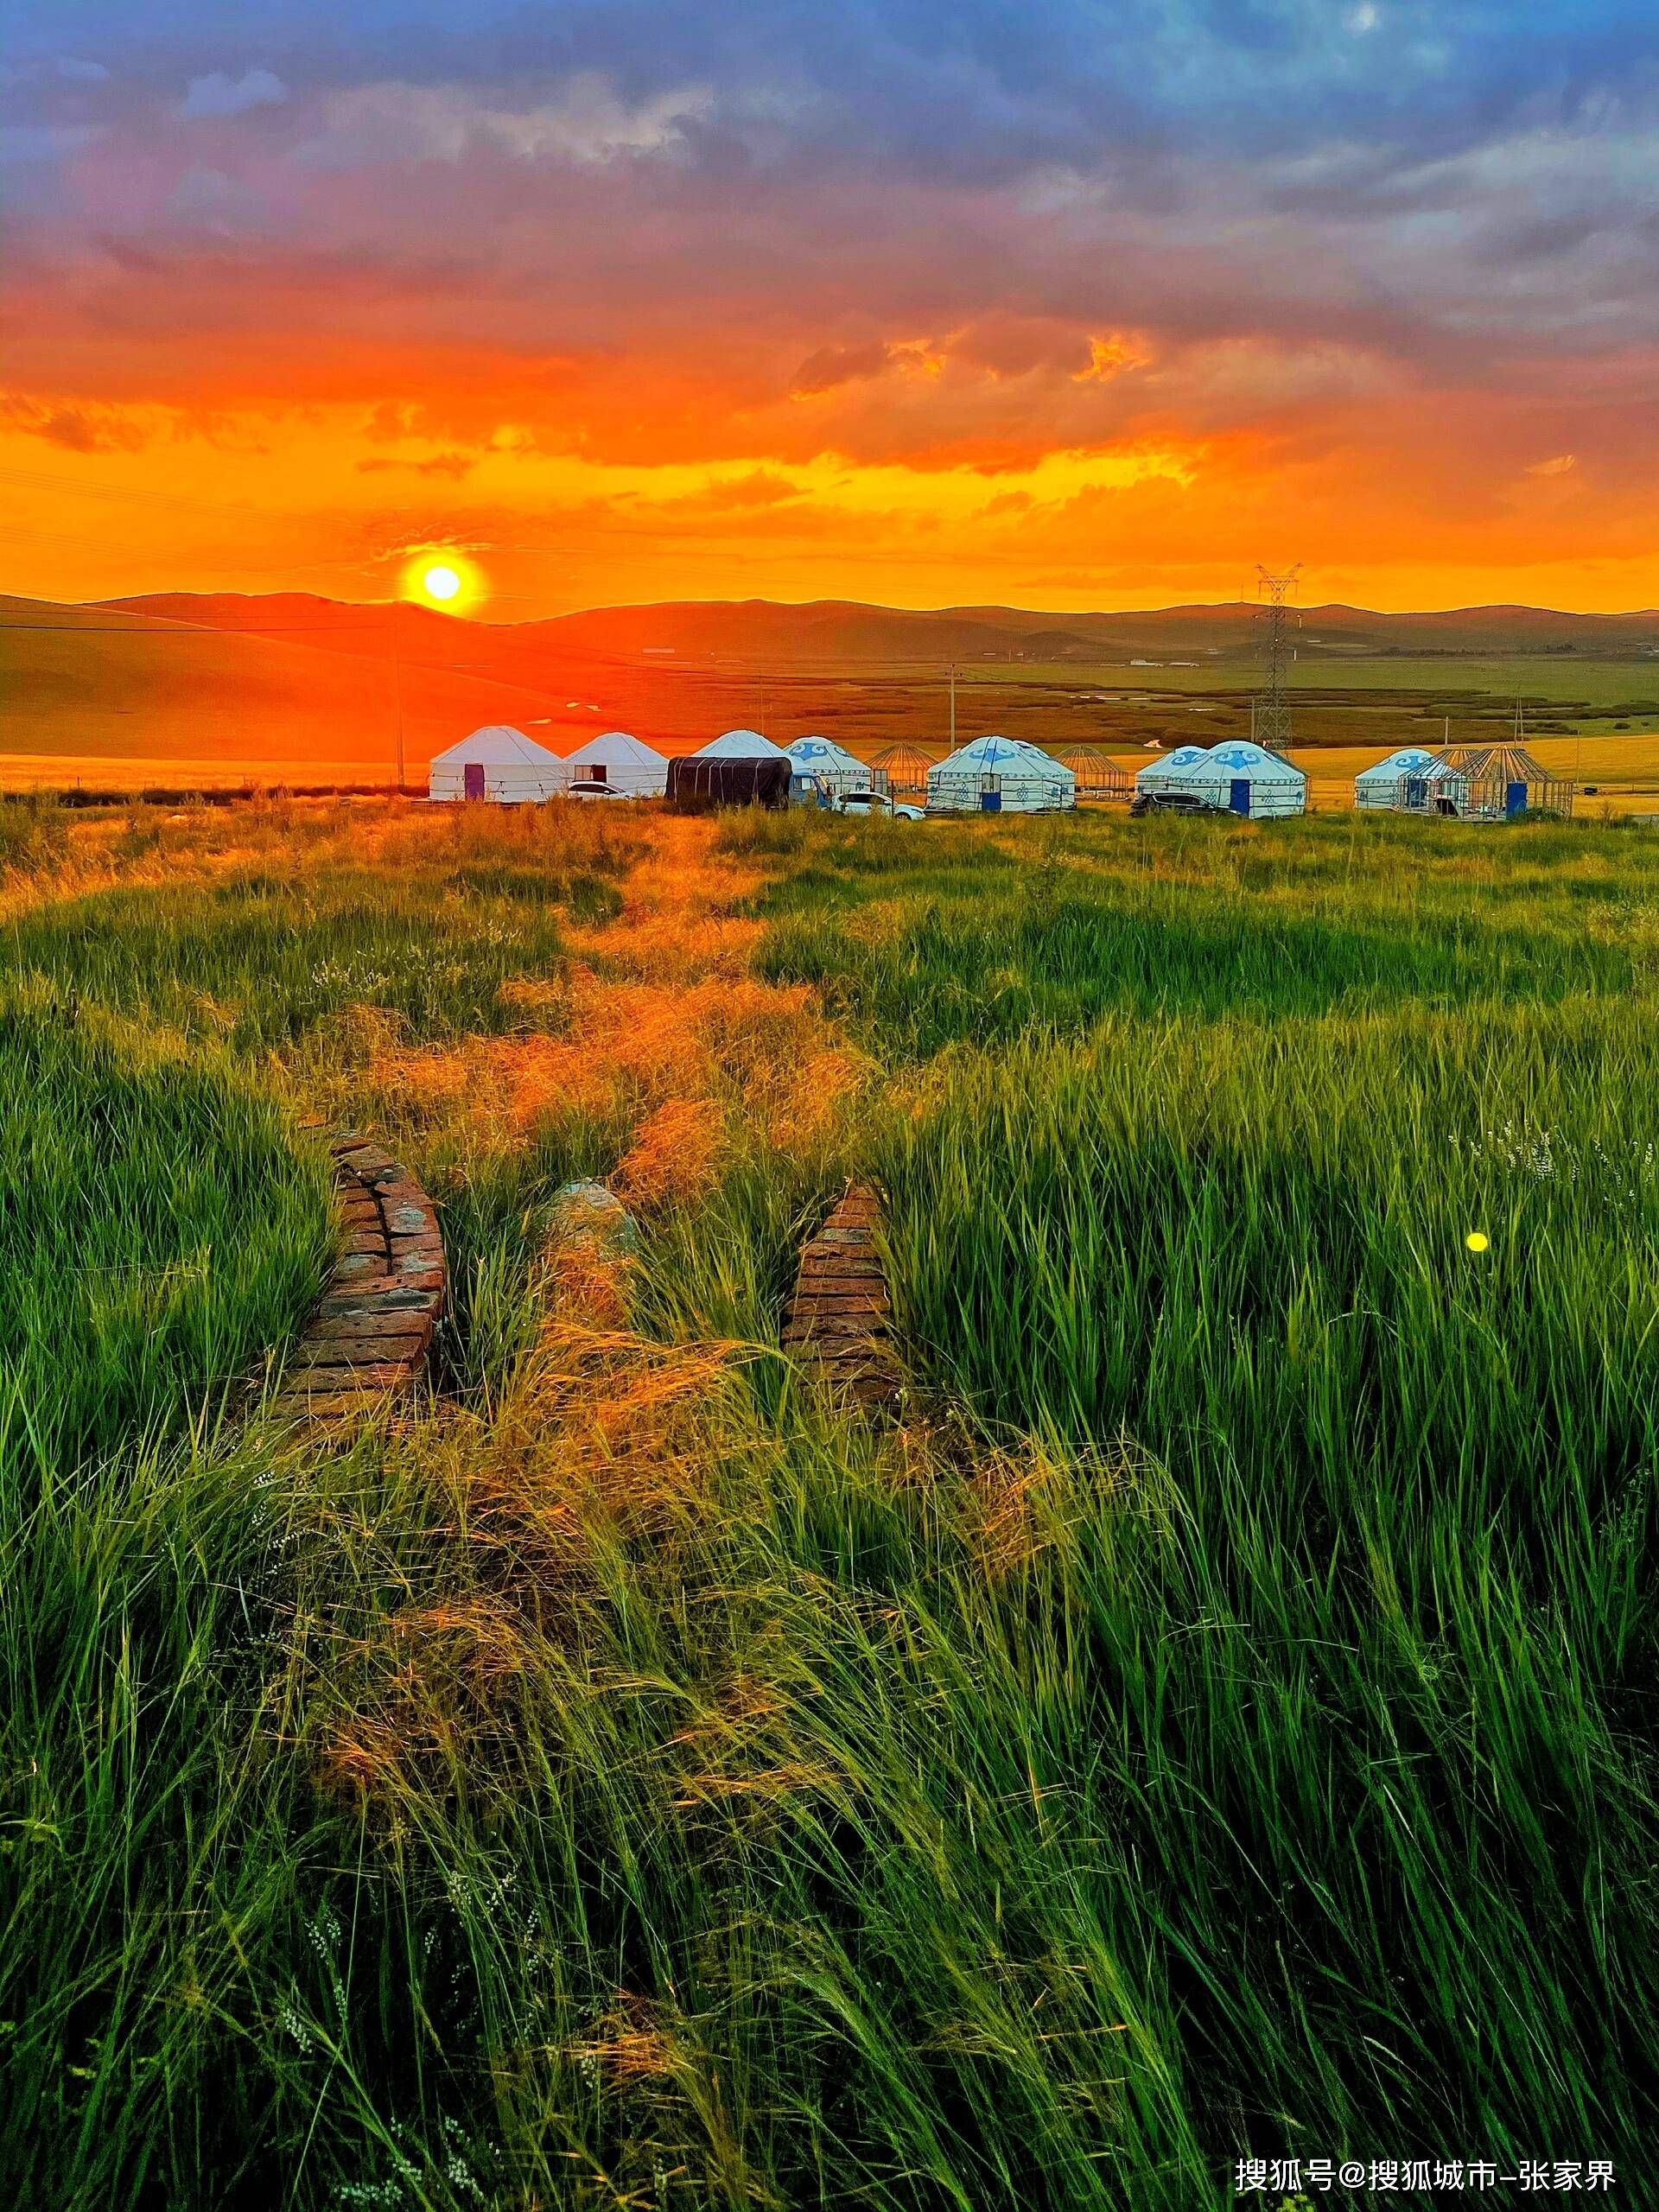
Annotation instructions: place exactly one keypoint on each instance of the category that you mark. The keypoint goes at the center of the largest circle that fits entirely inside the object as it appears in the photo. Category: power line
(1271, 716)
(42, 480)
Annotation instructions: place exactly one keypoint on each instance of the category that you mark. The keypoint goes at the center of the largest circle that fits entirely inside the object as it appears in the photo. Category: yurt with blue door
(1489, 783)
(1169, 767)
(1247, 779)
(820, 761)
(1000, 775)
(498, 764)
(1395, 782)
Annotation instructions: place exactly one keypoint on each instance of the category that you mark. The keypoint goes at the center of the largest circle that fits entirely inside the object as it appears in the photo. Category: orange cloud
(1108, 357)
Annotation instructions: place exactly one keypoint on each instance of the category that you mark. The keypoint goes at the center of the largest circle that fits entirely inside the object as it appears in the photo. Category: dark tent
(697, 784)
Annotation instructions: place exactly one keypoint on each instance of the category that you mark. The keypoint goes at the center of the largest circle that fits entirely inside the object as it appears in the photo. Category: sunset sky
(1086, 304)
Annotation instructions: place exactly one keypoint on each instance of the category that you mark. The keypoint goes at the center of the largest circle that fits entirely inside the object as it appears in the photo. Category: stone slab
(406, 1339)
(409, 1299)
(373, 1324)
(837, 1322)
(348, 1375)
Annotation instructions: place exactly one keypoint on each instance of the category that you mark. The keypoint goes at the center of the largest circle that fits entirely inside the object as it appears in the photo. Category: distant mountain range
(827, 631)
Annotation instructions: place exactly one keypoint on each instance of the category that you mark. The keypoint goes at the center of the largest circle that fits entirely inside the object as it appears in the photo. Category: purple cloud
(217, 97)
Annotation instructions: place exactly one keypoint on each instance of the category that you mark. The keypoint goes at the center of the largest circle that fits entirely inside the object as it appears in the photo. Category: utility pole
(1273, 706)
(397, 687)
(953, 706)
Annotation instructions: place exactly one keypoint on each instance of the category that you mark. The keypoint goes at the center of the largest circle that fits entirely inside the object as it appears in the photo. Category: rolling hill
(143, 693)
(829, 632)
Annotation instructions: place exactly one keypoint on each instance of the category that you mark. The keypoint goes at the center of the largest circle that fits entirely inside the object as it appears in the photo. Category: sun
(437, 575)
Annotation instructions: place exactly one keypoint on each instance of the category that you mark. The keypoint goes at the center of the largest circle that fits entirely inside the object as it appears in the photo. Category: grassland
(1218, 1717)
(158, 1235)
(1597, 681)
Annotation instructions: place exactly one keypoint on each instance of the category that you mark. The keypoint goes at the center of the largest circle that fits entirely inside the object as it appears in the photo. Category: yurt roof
(619, 745)
(1402, 763)
(823, 753)
(740, 745)
(904, 756)
(993, 751)
(1241, 757)
(1184, 756)
(496, 745)
(1511, 764)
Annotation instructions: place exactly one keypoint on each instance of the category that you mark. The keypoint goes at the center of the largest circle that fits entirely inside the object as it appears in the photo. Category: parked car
(1171, 803)
(878, 803)
(594, 791)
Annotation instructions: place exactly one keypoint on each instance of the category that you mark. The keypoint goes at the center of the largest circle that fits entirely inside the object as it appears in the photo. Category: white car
(594, 791)
(878, 803)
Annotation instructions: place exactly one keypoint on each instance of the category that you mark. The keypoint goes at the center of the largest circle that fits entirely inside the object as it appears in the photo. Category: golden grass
(602, 1441)
(149, 845)
(661, 1025)
(603, 1436)
(675, 1154)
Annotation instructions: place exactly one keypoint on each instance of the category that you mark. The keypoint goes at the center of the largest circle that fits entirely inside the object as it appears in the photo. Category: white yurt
(999, 775)
(497, 763)
(625, 763)
(1169, 767)
(1384, 784)
(739, 745)
(835, 771)
(1247, 778)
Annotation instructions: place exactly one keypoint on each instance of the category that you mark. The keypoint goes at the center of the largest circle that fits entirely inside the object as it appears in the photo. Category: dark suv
(1171, 803)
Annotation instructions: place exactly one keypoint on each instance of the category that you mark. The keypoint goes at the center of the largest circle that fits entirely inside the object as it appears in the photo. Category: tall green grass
(264, 954)
(1375, 1752)
(1219, 1718)
(262, 960)
(157, 1231)
(925, 935)
(1375, 1764)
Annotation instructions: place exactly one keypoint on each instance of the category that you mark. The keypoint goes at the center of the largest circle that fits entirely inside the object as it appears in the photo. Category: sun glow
(438, 576)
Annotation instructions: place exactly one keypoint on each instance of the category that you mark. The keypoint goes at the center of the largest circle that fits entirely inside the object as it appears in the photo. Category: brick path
(837, 1322)
(372, 1330)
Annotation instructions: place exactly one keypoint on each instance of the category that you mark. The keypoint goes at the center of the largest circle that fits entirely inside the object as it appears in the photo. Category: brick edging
(371, 1334)
(837, 1323)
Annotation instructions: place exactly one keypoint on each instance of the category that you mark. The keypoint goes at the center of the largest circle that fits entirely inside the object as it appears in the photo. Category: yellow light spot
(1477, 1239)
(437, 575)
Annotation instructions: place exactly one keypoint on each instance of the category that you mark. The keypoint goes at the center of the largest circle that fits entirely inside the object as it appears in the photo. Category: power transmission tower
(1270, 718)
